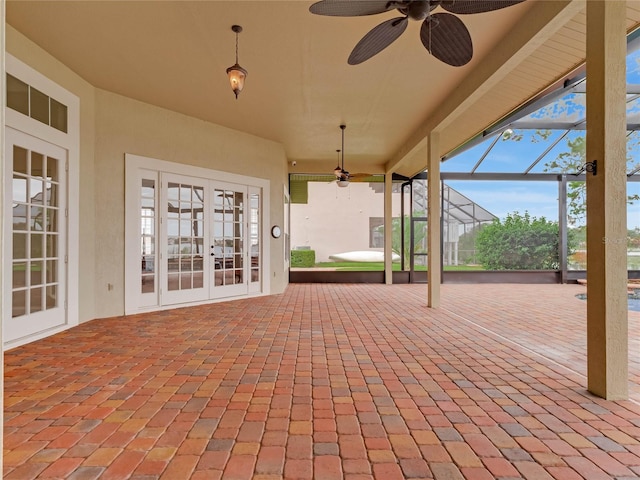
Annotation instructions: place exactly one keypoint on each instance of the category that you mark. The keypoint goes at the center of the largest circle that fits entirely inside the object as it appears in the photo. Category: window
(32, 102)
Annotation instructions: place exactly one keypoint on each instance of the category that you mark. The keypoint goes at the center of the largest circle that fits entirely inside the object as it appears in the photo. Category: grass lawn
(378, 266)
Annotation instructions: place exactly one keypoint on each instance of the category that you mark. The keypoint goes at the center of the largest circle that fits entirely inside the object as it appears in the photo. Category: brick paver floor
(326, 382)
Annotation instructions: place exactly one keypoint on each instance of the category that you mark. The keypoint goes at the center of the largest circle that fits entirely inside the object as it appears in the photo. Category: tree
(571, 160)
(521, 242)
(467, 245)
(396, 237)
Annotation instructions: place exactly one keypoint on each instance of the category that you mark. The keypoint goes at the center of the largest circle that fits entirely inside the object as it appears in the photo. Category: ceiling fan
(343, 177)
(444, 35)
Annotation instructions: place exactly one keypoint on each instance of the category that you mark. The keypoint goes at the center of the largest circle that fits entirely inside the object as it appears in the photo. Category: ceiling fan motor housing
(416, 10)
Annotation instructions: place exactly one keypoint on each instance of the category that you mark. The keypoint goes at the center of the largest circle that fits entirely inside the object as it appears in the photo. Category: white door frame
(28, 324)
(69, 141)
(138, 167)
(180, 295)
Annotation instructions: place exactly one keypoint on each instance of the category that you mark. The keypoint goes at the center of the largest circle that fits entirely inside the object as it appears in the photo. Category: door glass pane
(198, 280)
(198, 195)
(37, 165)
(37, 250)
(36, 273)
(52, 245)
(239, 277)
(148, 283)
(52, 169)
(147, 234)
(20, 160)
(36, 230)
(51, 220)
(254, 236)
(36, 298)
(18, 303)
(19, 189)
(173, 191)
(19, 274)
(52, 297)
(228, 236)
(185, 245)
(37, 219)
(35, 192)
(20, 217)
(173, 281)
(52, 194)
(52, 271)
(20, 245)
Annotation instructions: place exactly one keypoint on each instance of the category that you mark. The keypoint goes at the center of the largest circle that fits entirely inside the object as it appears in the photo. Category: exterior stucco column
(3, 76)
(388, 227)
(433, 221)
(607, 329)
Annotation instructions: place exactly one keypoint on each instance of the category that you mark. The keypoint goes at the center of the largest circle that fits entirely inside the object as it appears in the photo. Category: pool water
(634, 300)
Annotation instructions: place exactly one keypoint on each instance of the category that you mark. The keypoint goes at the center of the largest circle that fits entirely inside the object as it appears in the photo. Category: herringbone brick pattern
(325, 382)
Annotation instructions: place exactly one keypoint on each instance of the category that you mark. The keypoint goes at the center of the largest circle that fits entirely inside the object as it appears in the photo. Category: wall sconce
(591, 167)
(236, 73)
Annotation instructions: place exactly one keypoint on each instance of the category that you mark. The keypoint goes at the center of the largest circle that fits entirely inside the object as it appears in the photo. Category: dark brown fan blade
(447, 39)
(462, 7)
(351, 8)
(378, 39)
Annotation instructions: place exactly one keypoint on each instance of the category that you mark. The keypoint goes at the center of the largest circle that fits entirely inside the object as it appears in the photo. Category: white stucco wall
(124, 126)
(112, 125)
(336, 220)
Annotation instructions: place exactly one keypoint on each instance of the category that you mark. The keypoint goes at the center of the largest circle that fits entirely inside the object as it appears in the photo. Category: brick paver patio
(326, 382)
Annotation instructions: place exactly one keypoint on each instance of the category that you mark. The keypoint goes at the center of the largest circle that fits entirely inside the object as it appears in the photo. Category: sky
(539, 199)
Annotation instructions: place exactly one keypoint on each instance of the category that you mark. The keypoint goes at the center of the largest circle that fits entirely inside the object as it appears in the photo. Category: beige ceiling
(300, 89)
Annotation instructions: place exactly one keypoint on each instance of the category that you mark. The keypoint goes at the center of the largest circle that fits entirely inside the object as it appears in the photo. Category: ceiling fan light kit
(444, 35)
(342, 176)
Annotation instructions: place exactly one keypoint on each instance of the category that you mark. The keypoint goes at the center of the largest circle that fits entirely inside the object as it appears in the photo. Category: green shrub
(520, 242)
(303, 258)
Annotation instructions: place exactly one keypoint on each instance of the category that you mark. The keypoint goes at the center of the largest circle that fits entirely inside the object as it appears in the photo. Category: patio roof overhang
(560, 110)
(300, 88)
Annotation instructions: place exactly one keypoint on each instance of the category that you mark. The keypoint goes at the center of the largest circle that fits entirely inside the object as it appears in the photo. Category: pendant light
(236, 73)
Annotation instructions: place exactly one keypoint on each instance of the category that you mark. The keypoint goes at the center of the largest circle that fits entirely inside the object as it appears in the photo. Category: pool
(634, 300)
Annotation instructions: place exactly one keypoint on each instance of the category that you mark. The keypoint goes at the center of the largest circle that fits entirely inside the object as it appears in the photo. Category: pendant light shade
(236, 73)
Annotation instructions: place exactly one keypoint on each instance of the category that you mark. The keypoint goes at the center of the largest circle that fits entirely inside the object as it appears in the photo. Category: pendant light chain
(237, 47)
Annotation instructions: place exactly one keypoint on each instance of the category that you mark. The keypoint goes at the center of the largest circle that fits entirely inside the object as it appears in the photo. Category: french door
(199, 239)
(235, 241)
(35, 214)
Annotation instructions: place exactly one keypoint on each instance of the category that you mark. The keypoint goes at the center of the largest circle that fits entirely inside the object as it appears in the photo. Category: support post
(607, 324)
(562, 228)
(388, 227)
(3, 182)
(434, 230)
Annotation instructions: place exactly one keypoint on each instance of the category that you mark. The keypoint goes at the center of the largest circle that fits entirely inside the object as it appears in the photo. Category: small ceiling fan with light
(444, 35)
(343, 177)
